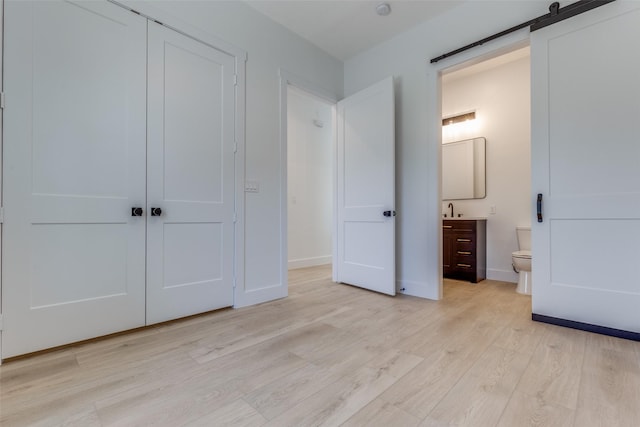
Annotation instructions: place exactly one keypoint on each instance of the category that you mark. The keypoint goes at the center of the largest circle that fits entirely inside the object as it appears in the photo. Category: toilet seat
(522, 254)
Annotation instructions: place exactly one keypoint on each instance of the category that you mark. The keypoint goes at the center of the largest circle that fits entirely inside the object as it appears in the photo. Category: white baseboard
(309, 262)
(502, 275)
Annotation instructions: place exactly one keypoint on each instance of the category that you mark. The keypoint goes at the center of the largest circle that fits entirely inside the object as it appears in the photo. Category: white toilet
(521, 260)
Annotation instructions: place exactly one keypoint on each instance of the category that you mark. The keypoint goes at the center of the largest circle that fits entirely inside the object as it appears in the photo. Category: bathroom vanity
(464, 249)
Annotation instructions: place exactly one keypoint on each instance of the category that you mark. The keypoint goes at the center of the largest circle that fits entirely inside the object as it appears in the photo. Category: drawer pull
(464, 253)
(447, 226)
(463, 240)
(464, 265)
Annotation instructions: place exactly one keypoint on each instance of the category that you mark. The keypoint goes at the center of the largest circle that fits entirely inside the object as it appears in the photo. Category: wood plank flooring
(331, 355)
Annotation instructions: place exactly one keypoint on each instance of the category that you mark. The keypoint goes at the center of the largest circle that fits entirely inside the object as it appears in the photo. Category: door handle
(389, 213)
(539, 207)
(156, 211)
(136, 211)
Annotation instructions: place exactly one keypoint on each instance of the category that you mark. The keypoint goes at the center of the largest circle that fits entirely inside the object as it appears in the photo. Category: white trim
(289, 79)
(334, 185)
(239, 237)
(309, 262)
(284, 172)
(434, 72)
(307, 86)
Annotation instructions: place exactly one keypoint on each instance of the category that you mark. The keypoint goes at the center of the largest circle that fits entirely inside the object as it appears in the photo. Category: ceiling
(347, 27)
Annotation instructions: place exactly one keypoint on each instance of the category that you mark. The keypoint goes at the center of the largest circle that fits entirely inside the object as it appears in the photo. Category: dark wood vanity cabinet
(464, 249)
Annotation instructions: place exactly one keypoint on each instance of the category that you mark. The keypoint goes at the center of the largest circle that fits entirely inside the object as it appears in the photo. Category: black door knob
(156, 211)
(136, 212)
(389, 213)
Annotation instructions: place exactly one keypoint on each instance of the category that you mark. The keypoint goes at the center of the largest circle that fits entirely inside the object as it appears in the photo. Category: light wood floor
(336, 355)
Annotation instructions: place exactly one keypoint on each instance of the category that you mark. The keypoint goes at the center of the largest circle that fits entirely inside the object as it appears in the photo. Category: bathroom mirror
(463, 169)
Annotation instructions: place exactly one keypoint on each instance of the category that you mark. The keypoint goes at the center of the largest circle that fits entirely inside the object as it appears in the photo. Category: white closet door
(190, 176)
(585, 162)
(74, 156)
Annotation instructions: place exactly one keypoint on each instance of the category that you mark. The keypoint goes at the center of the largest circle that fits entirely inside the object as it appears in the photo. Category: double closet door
(118, 174)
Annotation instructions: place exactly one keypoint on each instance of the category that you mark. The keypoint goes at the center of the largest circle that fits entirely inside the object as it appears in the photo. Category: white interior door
(190, 176)
(73, 164)
(586, 158)
(366, 189)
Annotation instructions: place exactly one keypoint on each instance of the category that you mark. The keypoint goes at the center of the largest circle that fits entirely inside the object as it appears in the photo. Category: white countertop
(468, 218)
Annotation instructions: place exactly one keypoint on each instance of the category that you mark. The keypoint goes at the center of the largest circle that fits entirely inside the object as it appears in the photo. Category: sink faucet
(451, 206)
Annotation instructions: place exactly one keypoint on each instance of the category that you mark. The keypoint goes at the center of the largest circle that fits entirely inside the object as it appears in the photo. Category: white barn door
(586, 165)
(365, 255)
(74, 166)
(190, 176)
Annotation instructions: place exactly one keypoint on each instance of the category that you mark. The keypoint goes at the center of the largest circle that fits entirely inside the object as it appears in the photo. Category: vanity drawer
(464, 259)
(459, 225)
(464, 241)
(464, 266)
(464, 253)
(464, 256)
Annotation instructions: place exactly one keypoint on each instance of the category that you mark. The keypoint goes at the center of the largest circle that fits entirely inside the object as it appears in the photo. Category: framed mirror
(464, 169)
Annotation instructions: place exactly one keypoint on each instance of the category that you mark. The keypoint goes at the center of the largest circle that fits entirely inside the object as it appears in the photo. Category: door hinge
(235, 80)
(2, 100)
(1, 215)
(235, 217)
(0, 322)
(235, 147)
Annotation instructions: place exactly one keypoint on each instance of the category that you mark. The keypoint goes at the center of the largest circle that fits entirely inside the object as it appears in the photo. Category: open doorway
(310, 140)
(493, 98)
(360, 209)
(307, 114)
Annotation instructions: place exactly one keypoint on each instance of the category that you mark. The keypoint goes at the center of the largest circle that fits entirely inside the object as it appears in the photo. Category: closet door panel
(74, 165)
(193, 125)
(190, 176)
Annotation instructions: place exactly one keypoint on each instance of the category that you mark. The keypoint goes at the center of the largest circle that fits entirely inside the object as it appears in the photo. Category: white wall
(406, 57)
(269, 47)
(501, 98)
(309, 180)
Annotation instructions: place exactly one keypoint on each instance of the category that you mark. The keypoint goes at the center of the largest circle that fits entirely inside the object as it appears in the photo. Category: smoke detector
(383, 9)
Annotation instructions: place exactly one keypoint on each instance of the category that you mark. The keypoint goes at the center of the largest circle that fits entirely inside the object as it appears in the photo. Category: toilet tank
(524, 238)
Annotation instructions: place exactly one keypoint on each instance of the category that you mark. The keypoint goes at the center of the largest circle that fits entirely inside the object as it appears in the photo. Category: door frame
(287, 79)
(434, 73)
